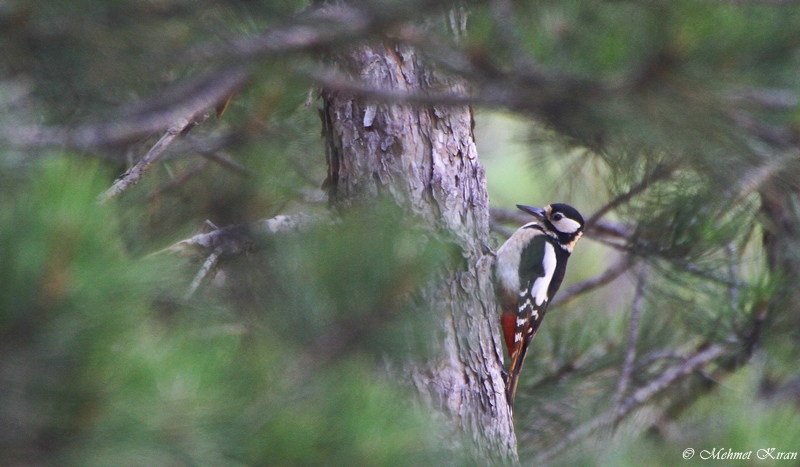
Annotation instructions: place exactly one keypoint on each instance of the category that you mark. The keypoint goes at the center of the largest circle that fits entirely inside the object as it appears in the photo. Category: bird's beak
(538, 213)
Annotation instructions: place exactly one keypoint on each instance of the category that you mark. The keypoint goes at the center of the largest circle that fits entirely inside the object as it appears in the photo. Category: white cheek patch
(541, 284)
(566, 225)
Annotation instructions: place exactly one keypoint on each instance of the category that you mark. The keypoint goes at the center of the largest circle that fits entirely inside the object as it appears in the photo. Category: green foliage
(103, 360)
(725, 421)
(351, 286)
(117, 370)
(89, 55)
(685, 113)
(693, 111)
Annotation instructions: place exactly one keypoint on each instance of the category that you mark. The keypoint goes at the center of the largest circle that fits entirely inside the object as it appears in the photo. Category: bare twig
(765, 174)
(768, 98)
(633, 337)
(603, 228)
(188, 104)
(659, 355)
(692, 364)
(337, 81)
(588, 285)
(529, 92)
(230, 241)
(135, 173)
(236, 239)
(208, 265)
(696, 362)
(509, 216)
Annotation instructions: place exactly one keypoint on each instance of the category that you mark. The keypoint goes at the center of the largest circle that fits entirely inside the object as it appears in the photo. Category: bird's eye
(558, 216)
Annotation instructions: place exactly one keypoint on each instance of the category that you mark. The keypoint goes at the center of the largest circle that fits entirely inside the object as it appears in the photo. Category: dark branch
(606, 277)
(319, 29)
(135, 173)
(600, 229)
(187, 101)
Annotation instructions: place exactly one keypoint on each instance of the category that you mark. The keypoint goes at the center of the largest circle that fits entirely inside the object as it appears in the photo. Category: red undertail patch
(509, 323)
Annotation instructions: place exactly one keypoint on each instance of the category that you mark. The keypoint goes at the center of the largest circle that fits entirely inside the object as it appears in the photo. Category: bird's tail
(513, 372)
(518, 357)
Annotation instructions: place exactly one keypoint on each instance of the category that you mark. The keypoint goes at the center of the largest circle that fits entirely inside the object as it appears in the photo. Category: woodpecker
(528, 272)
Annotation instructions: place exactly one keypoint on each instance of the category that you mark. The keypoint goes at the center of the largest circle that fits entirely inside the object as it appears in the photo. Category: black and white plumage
(528, 272)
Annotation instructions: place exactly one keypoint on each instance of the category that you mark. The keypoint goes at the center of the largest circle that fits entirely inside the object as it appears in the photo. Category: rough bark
(424, 158)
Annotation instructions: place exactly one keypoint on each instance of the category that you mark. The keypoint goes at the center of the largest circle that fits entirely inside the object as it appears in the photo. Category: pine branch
(186, 101)
(606, 277)
(319, 29)
(237, 239)
(659, 173)
(694, 363)
(659, 355)
(233, 240)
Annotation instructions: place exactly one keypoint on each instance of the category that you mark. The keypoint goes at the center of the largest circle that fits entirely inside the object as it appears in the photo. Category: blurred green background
(691, 107)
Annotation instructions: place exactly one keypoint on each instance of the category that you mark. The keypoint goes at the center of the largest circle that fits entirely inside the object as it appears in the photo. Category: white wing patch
(541, 284)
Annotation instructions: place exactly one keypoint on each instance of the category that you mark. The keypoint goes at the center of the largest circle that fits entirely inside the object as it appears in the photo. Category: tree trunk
(424, 158)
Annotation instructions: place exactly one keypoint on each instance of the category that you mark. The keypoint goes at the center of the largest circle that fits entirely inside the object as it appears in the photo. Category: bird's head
(559, 220)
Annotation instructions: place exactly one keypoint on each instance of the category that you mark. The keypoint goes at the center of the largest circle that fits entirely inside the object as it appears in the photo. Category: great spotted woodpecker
(528, 272)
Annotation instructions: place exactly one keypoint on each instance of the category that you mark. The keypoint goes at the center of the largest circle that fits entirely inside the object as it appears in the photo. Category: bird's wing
(537, 266)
